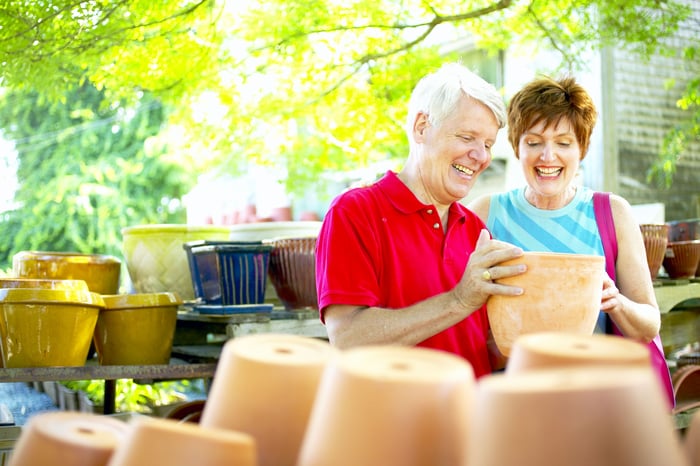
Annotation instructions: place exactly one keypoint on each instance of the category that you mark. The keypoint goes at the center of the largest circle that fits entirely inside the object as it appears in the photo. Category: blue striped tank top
(571, 229)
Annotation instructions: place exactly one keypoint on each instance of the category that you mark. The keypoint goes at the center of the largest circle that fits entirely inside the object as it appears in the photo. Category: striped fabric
(571, 229)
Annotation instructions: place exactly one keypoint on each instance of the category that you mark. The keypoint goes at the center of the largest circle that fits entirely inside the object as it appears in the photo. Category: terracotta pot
(549, 350)
(603, 416)
(265, 385)
(154, 441)
(68, 437)
(682, 259)
(691, 441)
(391, 405)
(655, 242)
(562, 292)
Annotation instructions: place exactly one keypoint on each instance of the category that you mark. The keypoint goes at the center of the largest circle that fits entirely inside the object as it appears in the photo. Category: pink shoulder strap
(606, 227)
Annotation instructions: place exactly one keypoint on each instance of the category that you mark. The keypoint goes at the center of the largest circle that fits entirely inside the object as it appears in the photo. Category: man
(402, 261)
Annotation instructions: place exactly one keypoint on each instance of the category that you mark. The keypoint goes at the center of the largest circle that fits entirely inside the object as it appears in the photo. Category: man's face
(455, 153)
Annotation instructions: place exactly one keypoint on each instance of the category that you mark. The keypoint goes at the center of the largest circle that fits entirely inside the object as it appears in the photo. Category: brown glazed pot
(293, 272)
(682, 259)
(562, 292)
(655, 241)
(391, 405)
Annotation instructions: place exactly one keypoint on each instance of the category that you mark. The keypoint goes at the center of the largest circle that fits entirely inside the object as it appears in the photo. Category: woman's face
(456, 152)
(550, 157)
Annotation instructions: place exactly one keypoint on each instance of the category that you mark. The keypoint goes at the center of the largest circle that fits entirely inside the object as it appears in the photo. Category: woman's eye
(532, 143)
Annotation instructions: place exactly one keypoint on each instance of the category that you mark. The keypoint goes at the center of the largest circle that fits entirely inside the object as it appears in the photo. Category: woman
(549, 126)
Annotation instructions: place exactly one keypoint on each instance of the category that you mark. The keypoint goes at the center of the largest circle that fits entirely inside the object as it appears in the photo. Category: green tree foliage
(677, 141)
(85, 171)
(301, 86)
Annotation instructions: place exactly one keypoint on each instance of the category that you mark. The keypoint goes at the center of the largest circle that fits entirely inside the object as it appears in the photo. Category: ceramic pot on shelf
(655, 241)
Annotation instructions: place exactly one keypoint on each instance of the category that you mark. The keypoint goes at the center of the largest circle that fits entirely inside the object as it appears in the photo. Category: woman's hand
(610, 300)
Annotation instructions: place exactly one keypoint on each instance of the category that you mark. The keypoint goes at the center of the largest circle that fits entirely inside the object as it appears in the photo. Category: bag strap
(606, 227)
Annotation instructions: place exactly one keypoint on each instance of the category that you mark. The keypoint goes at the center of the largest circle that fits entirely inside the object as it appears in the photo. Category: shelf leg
(110, 396)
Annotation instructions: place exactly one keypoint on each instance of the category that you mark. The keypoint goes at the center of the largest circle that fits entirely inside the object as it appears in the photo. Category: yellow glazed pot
(44, 283)
(99, 271)
(41, 328)
(136, 329)
(562, 293)
(155, 257)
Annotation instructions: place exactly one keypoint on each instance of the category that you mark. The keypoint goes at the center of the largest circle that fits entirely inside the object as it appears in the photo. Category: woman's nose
(547, 152)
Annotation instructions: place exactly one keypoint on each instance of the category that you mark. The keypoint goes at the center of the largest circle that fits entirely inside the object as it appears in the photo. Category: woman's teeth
(548, 171)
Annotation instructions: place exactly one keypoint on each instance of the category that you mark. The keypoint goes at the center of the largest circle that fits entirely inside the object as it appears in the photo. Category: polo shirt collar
(403, 198)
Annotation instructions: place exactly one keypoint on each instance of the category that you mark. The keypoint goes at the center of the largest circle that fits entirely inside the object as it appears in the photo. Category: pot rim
(68, 257)
(140, 300)
(50, 296)
(159, 228)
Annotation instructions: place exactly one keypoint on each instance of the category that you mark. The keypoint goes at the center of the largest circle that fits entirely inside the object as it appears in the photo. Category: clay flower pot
(549, 350)
(562, 292)
(68, 437)
(691, 441)
(603, 416)
(265, 385)
(391, 405)
(655, 242)
(166, 441)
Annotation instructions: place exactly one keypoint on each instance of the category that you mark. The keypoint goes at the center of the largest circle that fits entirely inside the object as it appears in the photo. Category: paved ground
(23, 401)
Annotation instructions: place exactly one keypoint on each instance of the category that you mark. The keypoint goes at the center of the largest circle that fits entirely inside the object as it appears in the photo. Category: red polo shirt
(380, 246)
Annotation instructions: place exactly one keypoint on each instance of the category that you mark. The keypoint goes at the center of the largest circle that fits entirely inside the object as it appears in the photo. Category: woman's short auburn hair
(549, 100)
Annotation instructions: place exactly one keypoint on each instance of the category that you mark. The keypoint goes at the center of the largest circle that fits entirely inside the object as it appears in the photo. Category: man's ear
(420, 124)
